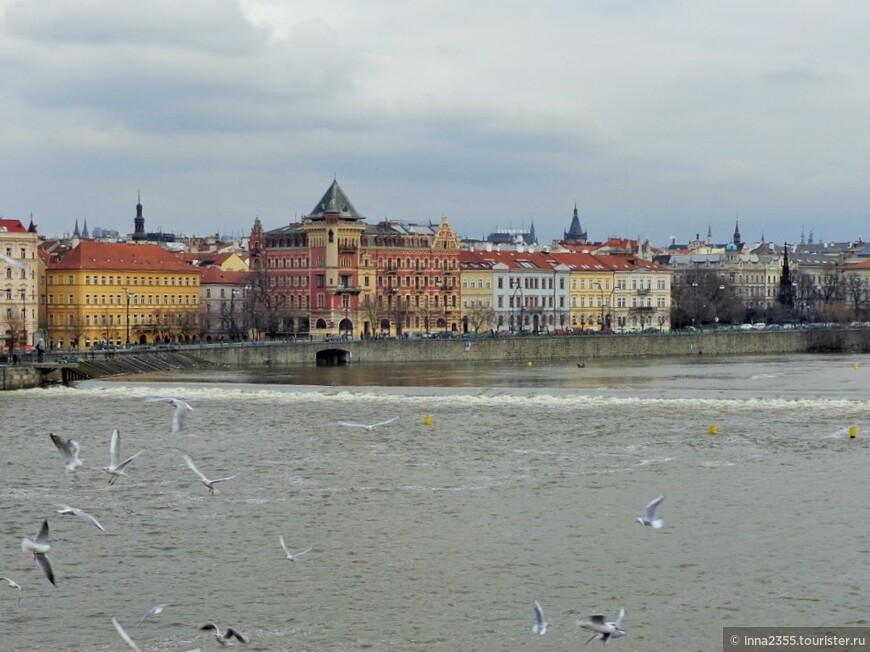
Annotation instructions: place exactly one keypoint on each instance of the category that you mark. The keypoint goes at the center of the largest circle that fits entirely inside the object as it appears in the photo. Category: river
(495, 487)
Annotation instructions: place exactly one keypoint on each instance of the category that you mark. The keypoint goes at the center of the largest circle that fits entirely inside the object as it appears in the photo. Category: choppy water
(440, 537)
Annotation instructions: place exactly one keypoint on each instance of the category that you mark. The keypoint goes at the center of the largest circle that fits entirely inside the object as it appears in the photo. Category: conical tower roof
(334, 201)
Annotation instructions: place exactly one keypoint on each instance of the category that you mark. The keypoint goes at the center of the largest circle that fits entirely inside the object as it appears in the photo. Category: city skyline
(659, 120)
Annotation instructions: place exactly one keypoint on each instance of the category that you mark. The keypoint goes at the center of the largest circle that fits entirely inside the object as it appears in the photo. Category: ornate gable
(445, 238)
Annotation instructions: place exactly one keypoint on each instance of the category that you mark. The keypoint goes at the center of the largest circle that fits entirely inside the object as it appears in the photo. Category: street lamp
(129, 294)
(393, 291)
(24, 319)
(600, 305)
(519, 288)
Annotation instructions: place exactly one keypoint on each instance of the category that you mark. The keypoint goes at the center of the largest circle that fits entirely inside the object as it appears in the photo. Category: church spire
(575, 234)
(76, 232)
(737, 241)
(786, 290)
(139, 222)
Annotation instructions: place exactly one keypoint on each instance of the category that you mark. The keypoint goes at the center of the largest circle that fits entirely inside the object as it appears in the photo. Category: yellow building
(101, 293)
(590, 291)
(476, 282)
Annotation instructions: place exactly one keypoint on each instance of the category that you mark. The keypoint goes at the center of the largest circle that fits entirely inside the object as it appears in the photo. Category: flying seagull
(153, 611)
(604, 630)
(39, 546)
(69, 449)
(179, 417)
(208, 483)
(540, 626)
(289, 554)
(13, 585)
(224, 637)
(366, 426)
(649, 518)
(66, 510)
(125, 636)
(116, 468)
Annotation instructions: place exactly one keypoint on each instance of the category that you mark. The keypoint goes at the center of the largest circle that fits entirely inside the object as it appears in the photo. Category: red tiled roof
(119, 256)
(542, 260)
(215, 275)
(12, 226)
(525, 260)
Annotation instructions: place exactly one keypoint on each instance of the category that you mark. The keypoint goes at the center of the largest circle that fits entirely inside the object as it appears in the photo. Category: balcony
(348, 248)
(642, 309)
(644, 291)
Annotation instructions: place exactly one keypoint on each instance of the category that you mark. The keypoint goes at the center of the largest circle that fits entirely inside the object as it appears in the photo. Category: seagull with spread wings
(290, 555)
(367, 426)
(69, 449)
(649, 517)
(116, 467)
(179, 417)
(540, 626)
(66, 510)
(153, 611)
(224, 637)
(208, 483)
(39, 546)
(603, 629)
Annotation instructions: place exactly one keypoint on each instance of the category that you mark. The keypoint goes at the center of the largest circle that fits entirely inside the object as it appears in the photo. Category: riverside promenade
(568, 348)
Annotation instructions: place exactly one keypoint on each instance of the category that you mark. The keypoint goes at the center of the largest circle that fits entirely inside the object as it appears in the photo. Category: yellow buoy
(856, 366)
(427, 420)
(853, 432)
(713, 429)
(530, 363)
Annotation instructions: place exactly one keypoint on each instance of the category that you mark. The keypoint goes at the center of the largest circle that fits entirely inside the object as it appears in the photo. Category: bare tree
(188, 325)
(265, 305)
(703, 297)
(857, 292)
(480, 317)
(831, 292)
(205, 323)
(371, 312)
(76, 328)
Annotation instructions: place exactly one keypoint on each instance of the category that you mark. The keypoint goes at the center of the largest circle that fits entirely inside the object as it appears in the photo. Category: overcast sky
(659, 118)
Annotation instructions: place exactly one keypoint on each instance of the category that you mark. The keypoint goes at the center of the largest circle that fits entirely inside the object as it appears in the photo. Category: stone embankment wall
(481, 349)
(580, 348)
(19, 377)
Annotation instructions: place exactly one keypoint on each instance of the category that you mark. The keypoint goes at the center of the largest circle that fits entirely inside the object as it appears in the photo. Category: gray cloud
(659, 118)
